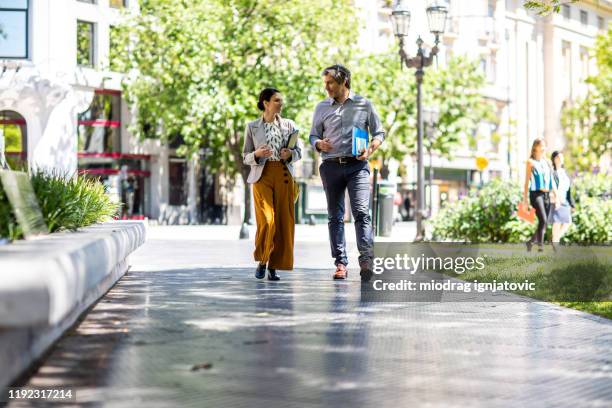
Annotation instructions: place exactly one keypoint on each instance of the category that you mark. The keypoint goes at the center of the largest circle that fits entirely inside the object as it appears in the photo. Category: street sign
(21, 196)
(481, 163)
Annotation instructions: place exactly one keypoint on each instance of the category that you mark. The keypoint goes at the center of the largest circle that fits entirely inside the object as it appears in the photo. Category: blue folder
(360, 140)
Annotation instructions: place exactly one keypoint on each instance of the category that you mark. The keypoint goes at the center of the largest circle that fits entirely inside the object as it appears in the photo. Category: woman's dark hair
(266, 95)
(340, 73)
(553, 156)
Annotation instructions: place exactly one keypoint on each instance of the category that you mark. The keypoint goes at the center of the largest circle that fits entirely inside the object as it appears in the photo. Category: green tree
(545, 7)
(200, 65)
(454, 90)
(587, 123)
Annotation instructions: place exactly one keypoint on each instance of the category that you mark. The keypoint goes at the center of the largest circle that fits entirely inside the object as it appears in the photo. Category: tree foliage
(588, 122)
(198, 66)
(454, 90)
(546, 7)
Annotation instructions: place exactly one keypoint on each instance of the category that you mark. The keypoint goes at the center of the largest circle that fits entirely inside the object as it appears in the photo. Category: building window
(601, 23)
(100, 126)
(567, 12)
(177, 174)
(117, 3)
(14, 29)
(85, 44)
(492, 74)
(566, 51)
(584, 18)
(13, 136)
(584, 63)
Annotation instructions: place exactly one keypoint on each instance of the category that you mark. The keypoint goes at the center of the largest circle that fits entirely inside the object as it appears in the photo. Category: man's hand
(324, 145)
(285, 153)
(365, 154)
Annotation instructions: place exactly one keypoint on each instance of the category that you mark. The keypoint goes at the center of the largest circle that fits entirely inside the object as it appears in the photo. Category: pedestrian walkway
(190, 326)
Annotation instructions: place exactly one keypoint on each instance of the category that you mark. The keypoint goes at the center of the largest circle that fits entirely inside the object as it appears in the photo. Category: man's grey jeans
(354, 176)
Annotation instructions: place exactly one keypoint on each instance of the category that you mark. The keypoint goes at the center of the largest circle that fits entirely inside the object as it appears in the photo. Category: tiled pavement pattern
(307, 341)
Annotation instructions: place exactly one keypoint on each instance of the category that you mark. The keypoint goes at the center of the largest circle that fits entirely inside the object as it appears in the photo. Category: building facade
(533, 67)
(61, 107)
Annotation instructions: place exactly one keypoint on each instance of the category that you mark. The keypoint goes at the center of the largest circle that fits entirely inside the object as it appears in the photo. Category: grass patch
(575, 277)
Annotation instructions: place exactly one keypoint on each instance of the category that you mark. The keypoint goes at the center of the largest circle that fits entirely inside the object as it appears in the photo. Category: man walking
(332, 135)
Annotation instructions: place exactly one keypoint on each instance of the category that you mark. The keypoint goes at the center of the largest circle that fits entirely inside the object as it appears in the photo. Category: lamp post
(436, 17)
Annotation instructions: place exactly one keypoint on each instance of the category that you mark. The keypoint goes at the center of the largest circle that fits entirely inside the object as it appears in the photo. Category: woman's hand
(263, 151)
(285, 153)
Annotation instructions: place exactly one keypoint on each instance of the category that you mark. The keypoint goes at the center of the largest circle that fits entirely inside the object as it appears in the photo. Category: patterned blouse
(274, 139)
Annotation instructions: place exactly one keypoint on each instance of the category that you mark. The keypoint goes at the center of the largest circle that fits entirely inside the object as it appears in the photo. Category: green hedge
(488, 215)
(65, 203)
(592, 185)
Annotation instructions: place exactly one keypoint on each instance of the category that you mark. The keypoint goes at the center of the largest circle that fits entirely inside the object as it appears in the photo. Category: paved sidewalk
(180, 330)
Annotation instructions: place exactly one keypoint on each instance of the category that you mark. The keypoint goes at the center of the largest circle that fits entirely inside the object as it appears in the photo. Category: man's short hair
(340, 73)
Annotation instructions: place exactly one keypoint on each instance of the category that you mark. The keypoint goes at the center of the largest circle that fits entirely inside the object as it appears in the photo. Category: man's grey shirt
(336, 121)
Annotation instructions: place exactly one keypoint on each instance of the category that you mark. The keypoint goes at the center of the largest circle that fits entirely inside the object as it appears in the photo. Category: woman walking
(561, 215)
(539, 184)
(272, 177)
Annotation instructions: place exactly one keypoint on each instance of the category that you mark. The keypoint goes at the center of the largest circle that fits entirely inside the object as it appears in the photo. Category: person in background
(561, 216)
(537, 189)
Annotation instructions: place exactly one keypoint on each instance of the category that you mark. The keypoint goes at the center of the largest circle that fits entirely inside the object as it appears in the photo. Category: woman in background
(561, 216)
(538, 185)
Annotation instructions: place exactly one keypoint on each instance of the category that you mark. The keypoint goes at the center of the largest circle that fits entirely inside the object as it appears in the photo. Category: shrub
(8, 224)
(591, 221)
(482, 216)
(488, 215)
(592, 185)
(65, 203)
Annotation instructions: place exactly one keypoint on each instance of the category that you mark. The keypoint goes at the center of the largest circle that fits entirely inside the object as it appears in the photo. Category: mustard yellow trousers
(275, 215)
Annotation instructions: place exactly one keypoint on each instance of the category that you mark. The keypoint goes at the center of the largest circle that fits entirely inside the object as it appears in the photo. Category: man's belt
(342, 160)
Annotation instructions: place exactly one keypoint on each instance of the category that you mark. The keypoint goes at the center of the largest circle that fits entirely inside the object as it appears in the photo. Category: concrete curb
(46, 284)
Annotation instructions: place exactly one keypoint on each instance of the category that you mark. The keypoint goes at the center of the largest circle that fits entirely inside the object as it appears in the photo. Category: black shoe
(260, 272)
(529, 245)
(366, 270)
(272, 276)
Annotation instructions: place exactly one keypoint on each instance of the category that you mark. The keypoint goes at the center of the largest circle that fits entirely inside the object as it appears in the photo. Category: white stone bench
(47, 283)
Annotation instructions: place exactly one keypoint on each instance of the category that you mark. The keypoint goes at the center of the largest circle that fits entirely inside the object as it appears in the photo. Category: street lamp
(436, 17)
